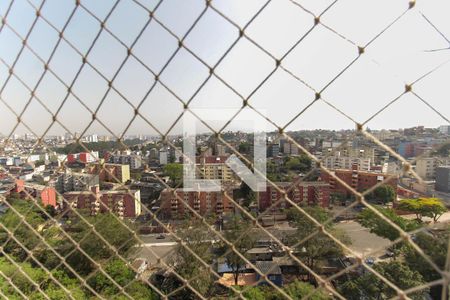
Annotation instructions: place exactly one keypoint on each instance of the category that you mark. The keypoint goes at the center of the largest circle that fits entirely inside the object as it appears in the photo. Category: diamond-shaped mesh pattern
(114, 45)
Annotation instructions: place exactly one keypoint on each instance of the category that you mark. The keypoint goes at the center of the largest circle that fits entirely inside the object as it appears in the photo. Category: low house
(289, 266)
(260, 254)
(272, 270)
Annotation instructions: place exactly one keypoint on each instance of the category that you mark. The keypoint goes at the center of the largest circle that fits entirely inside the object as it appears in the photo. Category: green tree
(141, 291)
(239, 234)
(300, 163)
(197, 238)
(106, 225)
(254, 293)
(22, 232)
(175, 173)
(246, 193)
(382, 228)
(353, 289)
(273, 171)
(118, 271)
(313, 248)
(384, 193)
(296, 290)
(116, 232)
(299, 290)
(244, 148)
(435, 247)
(369, 286)
(40, 277)
(443, 150)
(424, 207)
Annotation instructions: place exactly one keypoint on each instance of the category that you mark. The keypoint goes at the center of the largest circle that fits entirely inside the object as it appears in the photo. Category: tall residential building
(301, 193)
(174, 203)
(221, 150)
(153, 153)
(426, 166)
(125, 204)
(444, 129)
(273, 150)
(214, 167)
(443, 179)
(84, 157)
(133, 160)
(70, 181)
(47, 195)
(115, 173)
(163, 157)
(390, 168)
(360, 152)
(289, 148)
(357, 180)
(340, 161)
(92, 138)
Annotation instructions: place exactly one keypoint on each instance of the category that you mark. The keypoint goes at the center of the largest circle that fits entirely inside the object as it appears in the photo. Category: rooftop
(268, 267)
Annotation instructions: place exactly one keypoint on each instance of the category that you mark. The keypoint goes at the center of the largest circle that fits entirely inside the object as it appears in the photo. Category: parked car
(370, 261)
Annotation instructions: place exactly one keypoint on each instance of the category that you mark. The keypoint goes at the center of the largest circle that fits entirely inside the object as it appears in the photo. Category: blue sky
(395, 58)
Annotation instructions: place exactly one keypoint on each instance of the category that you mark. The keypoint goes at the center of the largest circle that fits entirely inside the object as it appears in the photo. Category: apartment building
(289, 148)
(357, 179)
(107, 172)
(301, 193)
(71, 181)
(123, 203)
(337, 161)
(173, 204)
(133, 160)
(163, 157)
(47, 195)
(426, 166)
(273, 150)
(443, 179)
(444, 129)
(84, 157)
(214, 167)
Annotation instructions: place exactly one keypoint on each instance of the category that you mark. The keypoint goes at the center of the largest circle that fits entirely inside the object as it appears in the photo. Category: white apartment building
(69, 182)
(133, 160)
(290, 148)
(163, 157)
(426, 166)
(444, 129)
(214, 168)
(390, 168)
(337, 161)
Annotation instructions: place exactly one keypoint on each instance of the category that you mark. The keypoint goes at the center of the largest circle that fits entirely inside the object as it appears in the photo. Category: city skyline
(99, 137)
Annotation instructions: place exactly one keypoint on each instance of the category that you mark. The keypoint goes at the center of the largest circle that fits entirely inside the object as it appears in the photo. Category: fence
(55, 49)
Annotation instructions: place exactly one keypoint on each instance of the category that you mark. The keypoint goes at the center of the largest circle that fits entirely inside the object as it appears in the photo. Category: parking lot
(363, 242)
